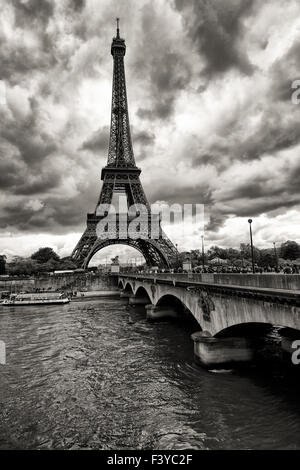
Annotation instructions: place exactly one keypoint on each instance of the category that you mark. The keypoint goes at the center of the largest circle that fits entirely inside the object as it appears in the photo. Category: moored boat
(41, 298)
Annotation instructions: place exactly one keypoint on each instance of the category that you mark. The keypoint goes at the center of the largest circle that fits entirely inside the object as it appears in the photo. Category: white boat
(41, 298)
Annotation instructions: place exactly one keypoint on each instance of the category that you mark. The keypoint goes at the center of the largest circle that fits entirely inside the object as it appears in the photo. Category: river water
(95, 375)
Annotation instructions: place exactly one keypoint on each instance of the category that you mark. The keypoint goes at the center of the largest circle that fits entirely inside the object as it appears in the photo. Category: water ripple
(94, 375)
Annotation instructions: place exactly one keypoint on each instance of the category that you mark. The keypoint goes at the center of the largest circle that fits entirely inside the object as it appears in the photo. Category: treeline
(46, 260)
(43, 260)
(288, 251)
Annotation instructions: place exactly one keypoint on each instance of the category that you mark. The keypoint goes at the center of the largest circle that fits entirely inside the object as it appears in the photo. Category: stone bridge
(221, 304)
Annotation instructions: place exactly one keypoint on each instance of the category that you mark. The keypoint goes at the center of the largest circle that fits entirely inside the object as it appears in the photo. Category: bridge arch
(171, 299)
(176, 293)
(182, 309)
(236, 313)
(142, 291)
(245, 329)
(128, 288)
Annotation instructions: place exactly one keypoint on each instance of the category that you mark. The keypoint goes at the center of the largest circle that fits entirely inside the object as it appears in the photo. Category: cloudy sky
(209, 90)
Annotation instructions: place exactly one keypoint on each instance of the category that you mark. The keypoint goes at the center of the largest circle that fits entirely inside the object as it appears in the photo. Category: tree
(290, 250)
(43, 255)
(67, 263)
(179, 259)
(267, 258)
(196, 257)
(217, 252)
(23, 266)
(245, 250)
(232, 254)
(50, 266)
(2, 264)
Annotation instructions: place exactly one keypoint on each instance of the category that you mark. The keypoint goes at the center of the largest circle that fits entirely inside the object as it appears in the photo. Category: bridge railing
(271, 280)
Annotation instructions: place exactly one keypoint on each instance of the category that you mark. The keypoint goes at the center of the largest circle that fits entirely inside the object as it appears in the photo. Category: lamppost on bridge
(251, 241)
(275, 254)
(203, 263)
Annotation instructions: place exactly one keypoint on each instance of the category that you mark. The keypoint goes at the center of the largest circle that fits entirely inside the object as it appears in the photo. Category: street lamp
(275, 254)
(202, 238)
(252, 254)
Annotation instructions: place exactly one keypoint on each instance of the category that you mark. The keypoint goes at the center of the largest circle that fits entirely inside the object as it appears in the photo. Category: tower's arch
(156, 253)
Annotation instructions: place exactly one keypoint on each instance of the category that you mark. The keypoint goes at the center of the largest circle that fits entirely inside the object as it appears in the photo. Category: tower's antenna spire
(118, 31)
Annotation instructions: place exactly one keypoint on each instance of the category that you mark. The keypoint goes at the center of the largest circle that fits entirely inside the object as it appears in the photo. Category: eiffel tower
(121, 175)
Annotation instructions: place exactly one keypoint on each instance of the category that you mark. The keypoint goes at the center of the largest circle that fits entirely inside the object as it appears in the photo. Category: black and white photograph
(149, 228)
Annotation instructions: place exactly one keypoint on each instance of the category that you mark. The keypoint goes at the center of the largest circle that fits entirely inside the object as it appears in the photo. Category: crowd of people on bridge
(285, 269)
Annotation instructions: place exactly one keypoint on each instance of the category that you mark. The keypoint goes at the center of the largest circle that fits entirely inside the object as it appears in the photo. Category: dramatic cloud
(217, 30)
(212, 121)
(98, 140)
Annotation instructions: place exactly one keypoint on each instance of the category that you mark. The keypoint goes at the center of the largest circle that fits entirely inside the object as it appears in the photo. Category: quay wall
(81, 282)
(16, 285)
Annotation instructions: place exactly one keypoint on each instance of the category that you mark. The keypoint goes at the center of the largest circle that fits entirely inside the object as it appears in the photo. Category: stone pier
(216, 352)
(287, 345)
(155, 313)
(138, 300)
(290, 344)
(125, 295)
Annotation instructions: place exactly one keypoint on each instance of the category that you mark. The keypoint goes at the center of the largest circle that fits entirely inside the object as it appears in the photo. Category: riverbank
(83, 283)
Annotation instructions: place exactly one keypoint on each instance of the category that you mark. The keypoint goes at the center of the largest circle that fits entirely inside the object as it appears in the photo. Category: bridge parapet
(269, 281)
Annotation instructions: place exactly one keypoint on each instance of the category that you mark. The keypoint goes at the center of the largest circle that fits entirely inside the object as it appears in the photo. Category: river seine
(95, 375)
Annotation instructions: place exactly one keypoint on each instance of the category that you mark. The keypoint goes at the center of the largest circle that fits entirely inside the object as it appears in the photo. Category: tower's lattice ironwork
(122, 175)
